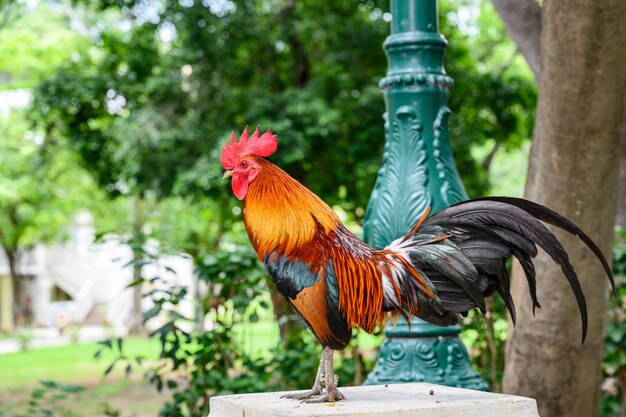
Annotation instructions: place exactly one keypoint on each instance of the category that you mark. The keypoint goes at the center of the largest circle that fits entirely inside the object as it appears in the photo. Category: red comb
(259, 145)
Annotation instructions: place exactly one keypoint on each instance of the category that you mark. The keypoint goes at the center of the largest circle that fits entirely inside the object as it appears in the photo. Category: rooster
(444, 266)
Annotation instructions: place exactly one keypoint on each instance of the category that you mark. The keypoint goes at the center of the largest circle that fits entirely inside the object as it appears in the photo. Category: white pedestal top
(399, 400)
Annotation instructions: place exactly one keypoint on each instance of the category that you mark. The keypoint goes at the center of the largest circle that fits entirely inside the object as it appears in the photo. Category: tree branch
(8, 12)
(522, 21)
(489, 158)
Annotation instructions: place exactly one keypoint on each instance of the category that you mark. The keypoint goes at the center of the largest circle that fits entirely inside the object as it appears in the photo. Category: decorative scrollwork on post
(401, 187)
(446, 170)
(459, 370)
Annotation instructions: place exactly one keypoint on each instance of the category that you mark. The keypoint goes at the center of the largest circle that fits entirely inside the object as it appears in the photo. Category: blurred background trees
(132, 101)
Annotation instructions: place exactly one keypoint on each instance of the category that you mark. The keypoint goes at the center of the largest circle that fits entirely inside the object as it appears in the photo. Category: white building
(79, 281)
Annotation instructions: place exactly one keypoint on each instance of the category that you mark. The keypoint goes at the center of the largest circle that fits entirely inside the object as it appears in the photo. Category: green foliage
(9, 11)
(614, 364)
(24, 337)
(485, 337)
(52, 399)
(39, 193)
(33, 44)
(71, 363)
(46, 401)
(38, 190)
(137, 101)
(493, 97)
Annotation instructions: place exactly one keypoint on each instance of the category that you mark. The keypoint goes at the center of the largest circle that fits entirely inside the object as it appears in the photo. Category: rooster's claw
(329, 397)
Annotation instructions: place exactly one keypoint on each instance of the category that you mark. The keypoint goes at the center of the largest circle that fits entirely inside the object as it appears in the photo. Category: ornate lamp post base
(424, 353)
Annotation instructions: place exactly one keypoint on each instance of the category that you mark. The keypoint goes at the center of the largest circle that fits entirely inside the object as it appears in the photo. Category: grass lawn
(131, 397)
(72, 363)
(21, 372)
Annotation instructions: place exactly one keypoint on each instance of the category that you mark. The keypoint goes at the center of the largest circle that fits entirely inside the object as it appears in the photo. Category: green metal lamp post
(417, 172)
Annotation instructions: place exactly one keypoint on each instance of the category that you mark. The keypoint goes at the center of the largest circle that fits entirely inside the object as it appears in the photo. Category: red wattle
(240, 186)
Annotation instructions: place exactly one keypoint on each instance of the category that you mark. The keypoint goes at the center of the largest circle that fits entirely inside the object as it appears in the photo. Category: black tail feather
(516, 224)
(463, 251)
(552, 217)
(505, 292)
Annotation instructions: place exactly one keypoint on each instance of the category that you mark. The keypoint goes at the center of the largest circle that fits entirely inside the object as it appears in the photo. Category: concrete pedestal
(401, 400)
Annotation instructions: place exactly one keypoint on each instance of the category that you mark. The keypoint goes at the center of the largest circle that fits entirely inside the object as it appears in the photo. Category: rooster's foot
(331, 396)
(303, 396)
(325, 387)
(328, 380)
(315, 391)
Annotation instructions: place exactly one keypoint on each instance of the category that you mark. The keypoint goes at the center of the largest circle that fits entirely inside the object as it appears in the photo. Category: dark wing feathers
(313, 296)
(452, 296)
(504, 289)
(482, 234)
(452, 264)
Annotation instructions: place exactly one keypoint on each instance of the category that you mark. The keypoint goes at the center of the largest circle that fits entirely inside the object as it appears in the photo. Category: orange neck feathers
(281, 214)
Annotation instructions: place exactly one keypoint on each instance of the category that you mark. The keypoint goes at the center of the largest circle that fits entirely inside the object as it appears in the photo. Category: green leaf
(110, 368)
(71, 388)
(107, 342)
(38, 393)
(152, 312)
(49, 383)
(135, 283)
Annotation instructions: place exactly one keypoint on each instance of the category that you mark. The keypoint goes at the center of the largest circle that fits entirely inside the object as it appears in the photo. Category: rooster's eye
(244, 164)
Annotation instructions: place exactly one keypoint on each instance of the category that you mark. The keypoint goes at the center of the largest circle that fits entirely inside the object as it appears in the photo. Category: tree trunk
(620, 220)
(136, 326)
(573, 169)
(12, 259)
(522, 21)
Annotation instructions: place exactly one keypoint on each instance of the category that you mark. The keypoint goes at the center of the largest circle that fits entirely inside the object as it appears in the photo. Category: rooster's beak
(228, 174)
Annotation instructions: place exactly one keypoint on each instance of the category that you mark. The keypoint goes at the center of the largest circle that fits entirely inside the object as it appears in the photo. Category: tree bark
(620, 220)
(522, 21)
(136, 327)
(12, 259)
(573, 169)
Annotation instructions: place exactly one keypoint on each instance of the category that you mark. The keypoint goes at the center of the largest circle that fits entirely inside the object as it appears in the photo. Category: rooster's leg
(317, 385)
(330, 392)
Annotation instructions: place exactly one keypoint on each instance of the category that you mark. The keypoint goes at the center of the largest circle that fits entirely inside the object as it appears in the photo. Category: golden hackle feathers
(281, 214)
